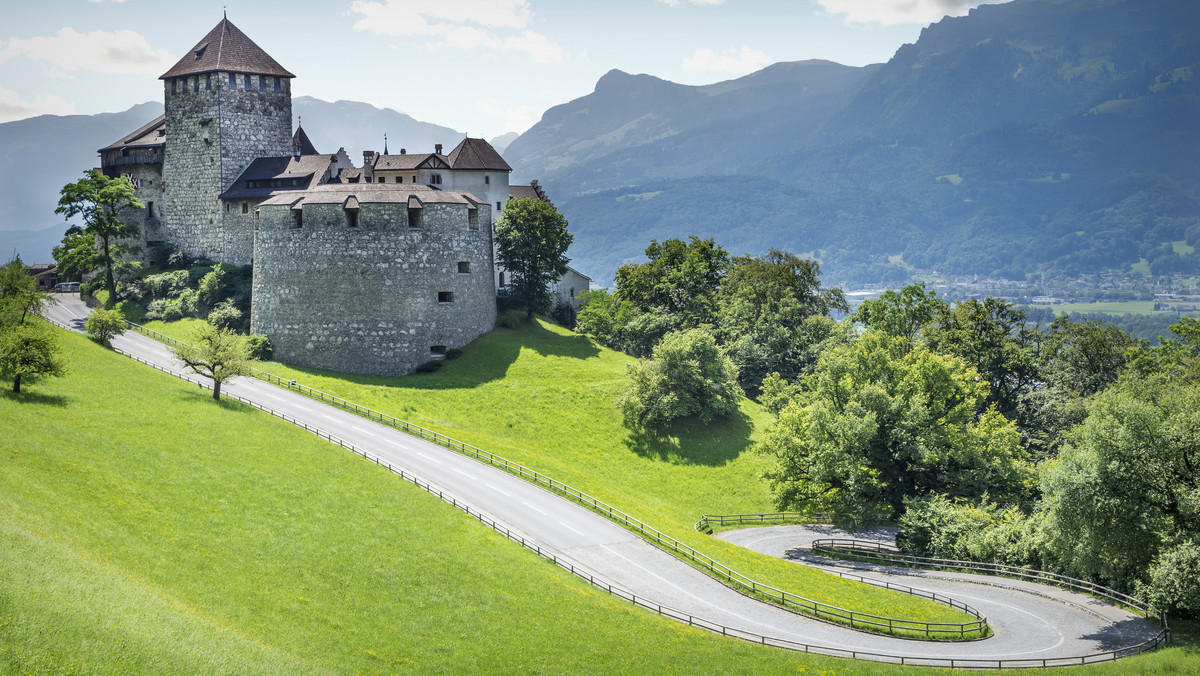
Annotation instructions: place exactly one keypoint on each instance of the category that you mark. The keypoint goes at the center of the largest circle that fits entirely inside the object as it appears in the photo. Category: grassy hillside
(149, 530)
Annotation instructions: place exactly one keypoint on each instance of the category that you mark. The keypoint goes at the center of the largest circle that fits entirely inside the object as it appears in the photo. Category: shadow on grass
(27, 397)
(484, 360)
(691, 442)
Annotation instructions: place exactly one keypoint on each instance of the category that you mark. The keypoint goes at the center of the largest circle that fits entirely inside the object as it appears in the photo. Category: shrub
(429, 366)
(172, 312)
(104, 325)
(260, 347)
(177, 259)
(563, 314)
(165, 284)
(225, 316)
(1175, 580)
(155, 309)
(509, 320)
(187, 303)
(212, 288)
(688, 376)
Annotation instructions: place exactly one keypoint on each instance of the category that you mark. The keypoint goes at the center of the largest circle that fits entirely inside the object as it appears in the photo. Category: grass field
(157, 532)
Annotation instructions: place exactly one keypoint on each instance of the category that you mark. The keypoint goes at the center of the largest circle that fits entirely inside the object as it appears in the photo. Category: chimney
(368, 158)
(437, 148)
(533, 182)
(403, 151)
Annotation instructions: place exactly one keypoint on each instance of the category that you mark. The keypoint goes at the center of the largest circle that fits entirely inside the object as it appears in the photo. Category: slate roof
(532, 191)
(151, 134)
(301, 142)
(408, 161)
(373, 193)
(476, 153)
(226, 48)
(307, 170)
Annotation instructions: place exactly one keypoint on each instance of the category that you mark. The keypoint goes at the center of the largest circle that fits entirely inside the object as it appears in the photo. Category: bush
(212, 288)
(172, 312)
(509, 320)
(260, 347)
(155, 309)
(177, 259)
(165, 284)
(688, 376)
(226, 316)
(429, 366)
(187, 304)
(104, 325)
(563, 314)
(1175, 580)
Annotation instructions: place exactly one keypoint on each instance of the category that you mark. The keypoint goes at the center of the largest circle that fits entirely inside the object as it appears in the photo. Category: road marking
(466, 474)
(534, 508)
(575, 530)
(498, 490)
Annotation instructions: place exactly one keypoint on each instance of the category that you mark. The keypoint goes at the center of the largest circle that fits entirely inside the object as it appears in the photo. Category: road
(1027, 626)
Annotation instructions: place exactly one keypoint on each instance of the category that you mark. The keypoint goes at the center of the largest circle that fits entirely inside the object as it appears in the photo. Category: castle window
(277, 87)
(435, 179)
(245, 207)
(464, 267)
(382, 179)
(232, 81)
(196, 85)
(445, 296)
(414, 219)
(149, 209)
(487, 180)
(501, 280)
(262, 83)
(399, 179)
(297, 218)
(173, 86)
(473, 219)
(352, 219)
(572, 292)
(437, 350)
(208, 82)
(248, 81)
(498, 207)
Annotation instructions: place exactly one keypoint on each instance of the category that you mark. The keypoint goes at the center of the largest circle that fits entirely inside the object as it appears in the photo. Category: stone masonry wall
(366, 300)
(213, 132)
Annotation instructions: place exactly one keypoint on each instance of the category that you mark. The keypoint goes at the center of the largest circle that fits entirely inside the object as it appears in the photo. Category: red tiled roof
(226, 48)
(476, 153)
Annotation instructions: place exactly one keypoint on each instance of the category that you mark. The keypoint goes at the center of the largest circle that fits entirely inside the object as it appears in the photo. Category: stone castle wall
(366, 300)
(215, 128)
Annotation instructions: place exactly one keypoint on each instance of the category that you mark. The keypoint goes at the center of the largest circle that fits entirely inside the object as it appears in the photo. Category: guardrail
(824, 611)
(665, 611)
(878, 552)
(706, 522)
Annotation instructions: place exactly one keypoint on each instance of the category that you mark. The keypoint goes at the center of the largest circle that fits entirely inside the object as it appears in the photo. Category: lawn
(149, 530)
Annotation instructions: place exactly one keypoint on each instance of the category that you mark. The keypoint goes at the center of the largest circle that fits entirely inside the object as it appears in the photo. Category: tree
(219, 354)
(104, 325)
(688, 376)
(28, 350)
(902, 314)
(19, 295)
(531, 243)
(100, 201)
(883, 419)
(680, 280)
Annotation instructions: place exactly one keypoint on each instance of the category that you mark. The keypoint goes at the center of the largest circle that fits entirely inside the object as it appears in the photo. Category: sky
(483, 67)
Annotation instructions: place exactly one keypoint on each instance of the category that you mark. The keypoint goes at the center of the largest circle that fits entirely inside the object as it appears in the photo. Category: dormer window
(200, 51)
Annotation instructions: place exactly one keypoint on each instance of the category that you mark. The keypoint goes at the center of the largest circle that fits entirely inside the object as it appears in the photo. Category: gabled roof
(291, 173)
(531, 191)
(406, 162)
(301, 143)
(226, 48)
(476, 153)
(416, 196)
(151, 134)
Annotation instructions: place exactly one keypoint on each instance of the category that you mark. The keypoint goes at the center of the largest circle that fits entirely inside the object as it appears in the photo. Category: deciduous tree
(104, 325)
(104, 237)
(219, 354)
(687, 376)
(531, 243)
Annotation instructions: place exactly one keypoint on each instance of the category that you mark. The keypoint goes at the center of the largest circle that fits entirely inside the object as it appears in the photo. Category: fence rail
(665, 611)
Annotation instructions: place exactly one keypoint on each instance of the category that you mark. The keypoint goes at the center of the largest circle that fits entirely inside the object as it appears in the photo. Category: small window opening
(435, 179)
(382, 179)
(232, 81)
(149, 209)
(487, 180)
(501, 280)
(245, 207)
(208, 82)
(278, 88)
(262, 83)
(445, 296)
(498, 207)
(473, 219)
(352, 219)
(297, 219)
(464, 267)
(414, 219)
(437, 350)
(249, 82)
(196, 85)
(572, 292)
(173, 86)
(399, 179)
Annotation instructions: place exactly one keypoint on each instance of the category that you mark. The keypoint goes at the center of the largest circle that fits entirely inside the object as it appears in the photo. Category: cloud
(497, 26)
(13, 107)
(516, 118)
(97, 52)
(676, 3)
(738, 61)
(891, 12)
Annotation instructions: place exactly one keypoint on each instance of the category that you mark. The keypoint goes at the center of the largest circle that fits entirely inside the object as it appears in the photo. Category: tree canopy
(28, 347)
(104, 237)
(686, 377)
(531, 244)
(219, 354)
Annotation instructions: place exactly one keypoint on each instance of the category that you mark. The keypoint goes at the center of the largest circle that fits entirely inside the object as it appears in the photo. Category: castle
(372, 270)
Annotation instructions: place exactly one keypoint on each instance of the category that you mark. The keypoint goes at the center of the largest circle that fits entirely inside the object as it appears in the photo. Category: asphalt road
(1027, 626)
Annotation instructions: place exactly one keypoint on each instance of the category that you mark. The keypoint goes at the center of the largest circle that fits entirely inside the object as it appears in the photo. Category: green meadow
(149, 530)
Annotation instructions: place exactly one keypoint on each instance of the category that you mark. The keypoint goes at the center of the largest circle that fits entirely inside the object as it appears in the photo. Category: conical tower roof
(226, 48)
(301, 143)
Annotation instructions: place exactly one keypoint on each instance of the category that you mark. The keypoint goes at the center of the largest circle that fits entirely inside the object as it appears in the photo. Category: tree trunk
(17, 384)
(217, 390)
(109, 284)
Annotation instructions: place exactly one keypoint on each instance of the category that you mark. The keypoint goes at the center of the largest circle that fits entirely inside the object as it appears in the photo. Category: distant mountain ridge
(1033, 135)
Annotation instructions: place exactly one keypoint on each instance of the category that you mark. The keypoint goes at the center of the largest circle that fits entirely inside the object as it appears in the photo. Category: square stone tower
(227, 102)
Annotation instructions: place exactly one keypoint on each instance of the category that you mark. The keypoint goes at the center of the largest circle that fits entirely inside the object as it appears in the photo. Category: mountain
(360, 126)
(500, 143)
(1035, 135)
